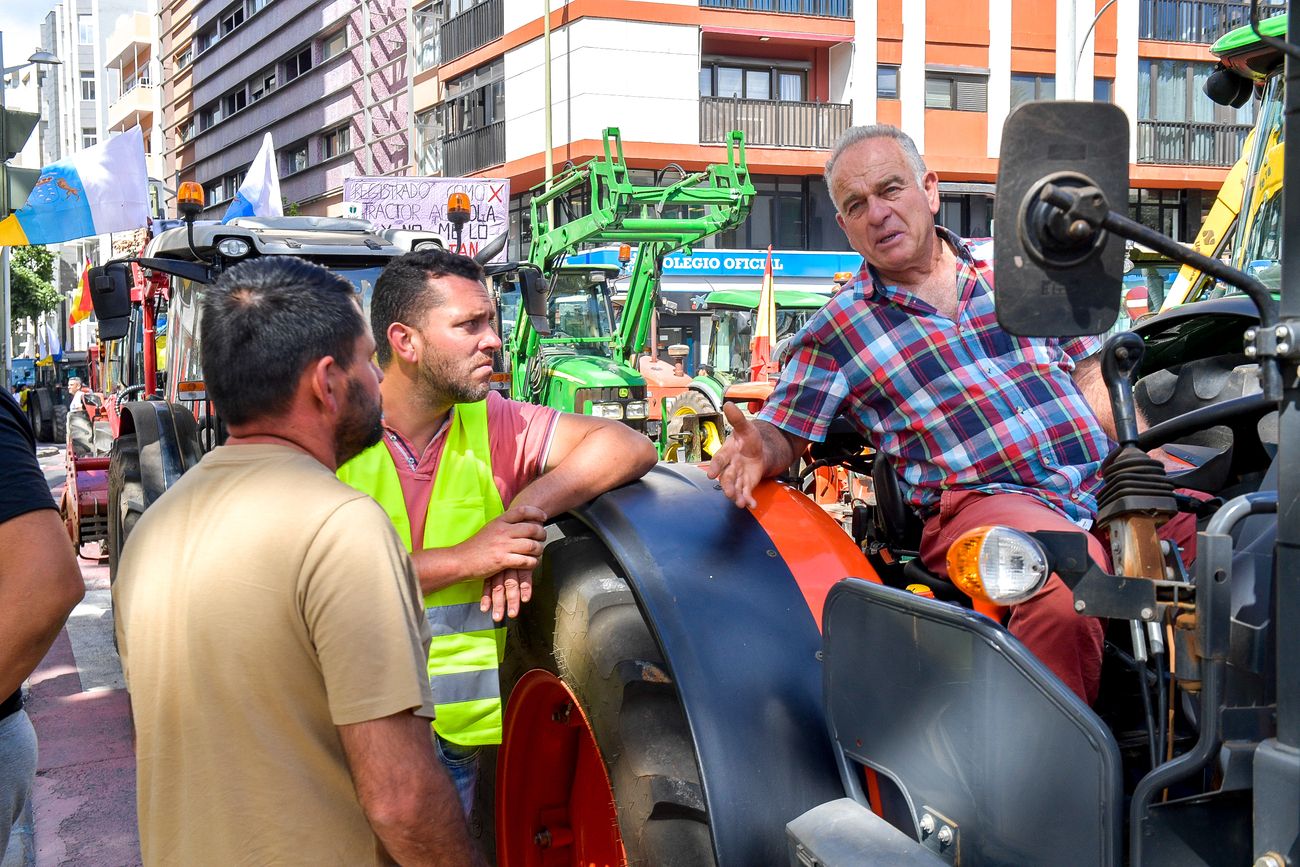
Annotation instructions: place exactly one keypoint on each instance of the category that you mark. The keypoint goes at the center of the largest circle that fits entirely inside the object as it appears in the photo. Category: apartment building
(676, 75)
(327, 79)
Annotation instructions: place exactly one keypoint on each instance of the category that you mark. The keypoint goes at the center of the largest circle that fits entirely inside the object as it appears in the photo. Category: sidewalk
(83, 801)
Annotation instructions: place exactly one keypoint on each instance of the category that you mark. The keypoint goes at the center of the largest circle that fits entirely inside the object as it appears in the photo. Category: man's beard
(439, 383)
(360, 427)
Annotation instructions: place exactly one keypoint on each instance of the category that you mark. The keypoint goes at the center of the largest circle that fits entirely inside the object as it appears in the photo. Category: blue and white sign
(737, 263)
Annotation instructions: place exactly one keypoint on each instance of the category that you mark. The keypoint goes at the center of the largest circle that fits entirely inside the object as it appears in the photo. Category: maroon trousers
(1068, 643)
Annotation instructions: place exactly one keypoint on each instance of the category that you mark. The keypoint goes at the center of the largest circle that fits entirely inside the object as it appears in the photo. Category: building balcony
(1198, 21)
(770, 123)
(140, 101)
(1184, 143)
(130, 41)
(819, 8)
(475, 150)
(471, 29)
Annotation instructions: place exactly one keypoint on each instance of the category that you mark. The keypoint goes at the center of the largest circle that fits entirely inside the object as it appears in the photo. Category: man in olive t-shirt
(269, 622)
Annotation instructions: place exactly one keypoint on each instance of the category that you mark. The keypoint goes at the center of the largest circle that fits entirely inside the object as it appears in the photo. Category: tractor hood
(592, 371)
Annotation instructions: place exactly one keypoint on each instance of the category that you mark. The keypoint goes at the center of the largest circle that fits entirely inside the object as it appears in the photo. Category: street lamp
(40, 57)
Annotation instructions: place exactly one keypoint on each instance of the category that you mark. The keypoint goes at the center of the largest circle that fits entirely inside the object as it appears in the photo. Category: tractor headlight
(233, 248)
(998, 564)
(607, 409)
(636, 409)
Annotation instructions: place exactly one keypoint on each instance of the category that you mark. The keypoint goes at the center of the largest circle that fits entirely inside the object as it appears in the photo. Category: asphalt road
(83, 802)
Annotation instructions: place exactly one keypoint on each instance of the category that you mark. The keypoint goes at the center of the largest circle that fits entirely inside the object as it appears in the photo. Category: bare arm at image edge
(39, 585)
(407, 796)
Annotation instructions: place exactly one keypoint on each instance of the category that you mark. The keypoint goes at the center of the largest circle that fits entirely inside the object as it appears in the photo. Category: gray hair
(855, 134)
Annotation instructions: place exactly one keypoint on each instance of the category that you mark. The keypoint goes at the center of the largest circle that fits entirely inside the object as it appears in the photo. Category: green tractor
(694, 421)
(566, 350)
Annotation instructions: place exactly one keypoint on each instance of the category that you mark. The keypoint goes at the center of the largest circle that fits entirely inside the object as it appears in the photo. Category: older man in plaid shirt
(981, 426)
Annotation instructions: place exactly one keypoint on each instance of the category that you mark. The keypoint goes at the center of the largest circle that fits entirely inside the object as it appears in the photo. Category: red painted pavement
(84, 797)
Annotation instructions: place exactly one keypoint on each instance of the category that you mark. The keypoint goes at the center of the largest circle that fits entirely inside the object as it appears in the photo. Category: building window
(89, 137)
(297, 64)
(295, 158)
(184, 58)
(1103, 90)
(85, 29)
(475, 100)
(185, 131)
(334, 44)
(336, 142)
(428, 152)
(426, 37)
(233, 102)
(1162, 210)
(956, 91)
(1173, 90)
(262, 85)
(731, 80)
(87, 85)
(231, 20)
(1026, 87)
(887, 82)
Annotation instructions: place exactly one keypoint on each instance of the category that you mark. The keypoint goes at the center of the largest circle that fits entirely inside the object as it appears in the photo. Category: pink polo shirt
(519, 438)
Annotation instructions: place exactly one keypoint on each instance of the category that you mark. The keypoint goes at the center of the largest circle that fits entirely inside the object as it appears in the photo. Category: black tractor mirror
(533, 291)
(110, 294)
(1056, 276)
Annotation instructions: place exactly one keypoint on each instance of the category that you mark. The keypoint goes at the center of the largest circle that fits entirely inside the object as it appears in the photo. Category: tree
(31, 282)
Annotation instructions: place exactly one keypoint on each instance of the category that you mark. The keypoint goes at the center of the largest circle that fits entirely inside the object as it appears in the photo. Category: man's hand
(505, 591)
(741, 462)
(512, 540)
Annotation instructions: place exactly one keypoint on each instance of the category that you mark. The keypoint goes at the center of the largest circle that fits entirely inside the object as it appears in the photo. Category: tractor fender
(167, 439)
(742, 647)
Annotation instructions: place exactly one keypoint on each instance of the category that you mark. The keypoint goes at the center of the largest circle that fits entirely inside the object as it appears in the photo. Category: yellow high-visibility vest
(467, 644)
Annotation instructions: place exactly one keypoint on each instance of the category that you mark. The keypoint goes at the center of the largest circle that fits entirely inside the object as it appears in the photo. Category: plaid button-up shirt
(961, 405)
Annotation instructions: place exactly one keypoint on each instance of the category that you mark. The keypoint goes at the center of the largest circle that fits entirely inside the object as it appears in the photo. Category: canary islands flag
(259, 194)
(94, 191)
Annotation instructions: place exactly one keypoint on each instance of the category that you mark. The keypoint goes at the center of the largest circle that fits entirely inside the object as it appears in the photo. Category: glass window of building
(475, 100)
(85, 29)
(1026, 87)
(1103, 90)
(87, 84)
(297, 64)
(89, 137)
(295, 158)
(887, 82)
(336, 142)
(334, 44)
(730, 79)
(425, 20)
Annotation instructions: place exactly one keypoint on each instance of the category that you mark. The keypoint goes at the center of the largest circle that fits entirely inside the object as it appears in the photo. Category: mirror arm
(1080, 205)
(1066, 200)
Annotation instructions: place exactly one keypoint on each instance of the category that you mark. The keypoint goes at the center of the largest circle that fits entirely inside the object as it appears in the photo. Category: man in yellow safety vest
(468, 478)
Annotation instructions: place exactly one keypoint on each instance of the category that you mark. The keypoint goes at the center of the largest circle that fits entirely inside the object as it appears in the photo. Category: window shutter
(972, 94)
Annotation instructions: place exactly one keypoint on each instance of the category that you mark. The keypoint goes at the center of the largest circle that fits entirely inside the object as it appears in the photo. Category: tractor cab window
(363, 278)
(579, 308)
(733, 331)
(1258, 247)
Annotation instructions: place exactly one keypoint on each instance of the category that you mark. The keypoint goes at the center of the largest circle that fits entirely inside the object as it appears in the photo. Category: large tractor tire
(81, 434)
(711, 427)
(59, 423)
(597, 755)
(40, 412)
(125, 497)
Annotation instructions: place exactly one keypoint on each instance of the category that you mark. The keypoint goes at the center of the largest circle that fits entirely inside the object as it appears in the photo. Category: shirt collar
(875, 288)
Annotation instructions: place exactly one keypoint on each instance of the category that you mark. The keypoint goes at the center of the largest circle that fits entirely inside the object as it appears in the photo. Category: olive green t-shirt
(260, 603)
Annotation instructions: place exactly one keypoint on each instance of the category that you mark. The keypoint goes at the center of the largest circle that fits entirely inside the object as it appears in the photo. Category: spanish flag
(94, 191)
(81, 303)
(760, 355)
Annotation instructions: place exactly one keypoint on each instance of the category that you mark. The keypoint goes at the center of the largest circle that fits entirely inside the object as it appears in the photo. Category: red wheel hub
(554, 803)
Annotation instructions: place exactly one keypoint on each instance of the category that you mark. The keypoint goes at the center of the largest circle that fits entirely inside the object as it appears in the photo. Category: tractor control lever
(1120, 358)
